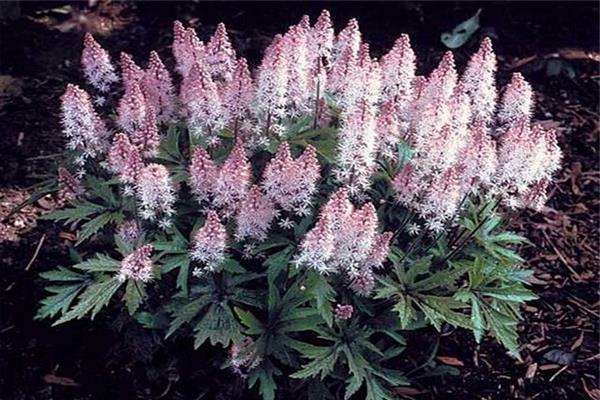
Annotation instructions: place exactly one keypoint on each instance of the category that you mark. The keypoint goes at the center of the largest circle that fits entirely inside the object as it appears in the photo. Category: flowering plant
(304, 216)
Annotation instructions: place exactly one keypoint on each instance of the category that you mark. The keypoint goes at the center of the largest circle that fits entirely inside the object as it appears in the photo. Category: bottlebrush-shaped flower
(525, 156)
(337, 209)
(356, 149)
(379, 251)
(255, 215)
(209, 244)
(220, 55)
(479, 156)
(442, 198)
(321, 38)
(389, 131)
(516, 101)
(204, 111)
(97, 67)
(203, 174)
(299, 91)
(349, 38)
(243, 356)
(292, 183)
(317, 247)
(132, 109)
(155, 194)
(187, 48)
(84, 129)
(124, 159)
(146, 137)
(271, 86)
(398, 73)
(363, 283)
(535, 197)
(234, 179)
(158, 89)
(238, 93)
(69, 186)
(131, 73)
(343, 311)
(408, 185)
(129, 231)
(479, 80)
(137, 265)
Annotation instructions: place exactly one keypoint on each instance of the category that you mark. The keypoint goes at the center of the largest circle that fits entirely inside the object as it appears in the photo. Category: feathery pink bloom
(243, 356)
(255, 215)
(516, 101)
(220, 55)
(299, 91)
(209, 244)
(317, 247)
(137, 266)
(525, 156)
(205, 114)
(398, 70)
(158, 89)
(322, 36)
(129, 231)
(348, 39)
(479, 156)
(337, 209)
(146, 137)
(389, 131)
(132, 109)
(124, 159)
(356, 149)
(238, 92)
(97, 67)
(442, 198)
(203, 174)
(271, 86)
(155, 194)
(343, 311)
(82, 126)
(363, 283)
(479, 80)
(187, 48)
(292, 183)
(535, 197)
(131, 73)
(69, 186)
(442, 81)
(354, 239)
(234, 179)
(379, 250)
(407, 185)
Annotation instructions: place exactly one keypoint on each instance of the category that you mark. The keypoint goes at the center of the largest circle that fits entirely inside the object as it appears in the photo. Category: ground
(555, 45)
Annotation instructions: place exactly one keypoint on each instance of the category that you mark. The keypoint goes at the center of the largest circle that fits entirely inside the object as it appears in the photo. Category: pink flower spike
(317, 247)
(209, 244)
(363, 283)
(234, 179)
(132, 109)
(337, 209)
(407, 186)
(516, 101)
(155, 194)
(131, 73)
(255, 215)
(343, 311)
(348, 39)
(158, 89)
(536, 196)
(379, 250)
(205, 114)
(82, 126)
(97, 67)
(322, 36)
(389, 131)
(239, 92)
(220, 55)
(479, 80)
(203, 174)
(398, 70)
(146, 138)
(124, 159)
(137, 266)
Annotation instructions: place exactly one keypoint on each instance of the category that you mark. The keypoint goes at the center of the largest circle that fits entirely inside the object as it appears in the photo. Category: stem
(315, 122)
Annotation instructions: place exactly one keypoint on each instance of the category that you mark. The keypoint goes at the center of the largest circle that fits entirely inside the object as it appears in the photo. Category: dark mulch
(39, 54)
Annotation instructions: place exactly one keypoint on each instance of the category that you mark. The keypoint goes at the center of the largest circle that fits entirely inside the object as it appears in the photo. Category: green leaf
(77, 213)
(253, 324)
(95, 224)
(135, 292)
(219, 326)
(405, 311)
(93, 299)
(99, 263)
(60, 301)
(184, 313)
(318, 287)
(267, 385)
(277, 263)
(462, 32)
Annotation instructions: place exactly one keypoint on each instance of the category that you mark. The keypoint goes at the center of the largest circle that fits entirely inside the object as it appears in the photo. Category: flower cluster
(345, 240)
(209, 244)
(137, 265)
(155, 194)
(97, 66)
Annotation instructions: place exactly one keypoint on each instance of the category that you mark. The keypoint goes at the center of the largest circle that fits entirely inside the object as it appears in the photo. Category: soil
(553, 44)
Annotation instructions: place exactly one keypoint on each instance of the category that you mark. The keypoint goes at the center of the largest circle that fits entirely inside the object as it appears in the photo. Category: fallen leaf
(59, 380)
(531, 370)
(451, 361)
(559, 356)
